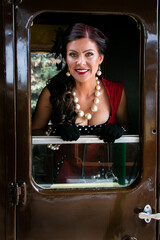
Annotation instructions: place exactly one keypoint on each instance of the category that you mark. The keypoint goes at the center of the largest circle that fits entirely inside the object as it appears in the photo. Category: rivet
(154, 131)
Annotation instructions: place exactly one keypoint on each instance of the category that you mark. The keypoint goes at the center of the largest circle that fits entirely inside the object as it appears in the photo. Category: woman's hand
(69, 132)
(110, 132)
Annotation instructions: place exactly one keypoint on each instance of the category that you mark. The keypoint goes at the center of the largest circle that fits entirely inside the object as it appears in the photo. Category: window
(88, 163)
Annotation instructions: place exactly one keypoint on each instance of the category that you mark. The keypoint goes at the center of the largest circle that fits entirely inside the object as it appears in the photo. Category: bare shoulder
(45, 97)
(43, 110)
(122, 117)
(123, 97)
(46, 92)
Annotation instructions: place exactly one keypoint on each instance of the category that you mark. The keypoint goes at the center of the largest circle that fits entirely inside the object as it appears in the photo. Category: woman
(78, 100)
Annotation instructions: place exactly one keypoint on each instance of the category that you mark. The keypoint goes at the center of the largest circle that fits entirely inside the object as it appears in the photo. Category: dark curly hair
(61, 86)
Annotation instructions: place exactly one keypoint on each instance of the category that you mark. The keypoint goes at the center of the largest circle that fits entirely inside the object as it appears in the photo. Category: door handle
(147, 215)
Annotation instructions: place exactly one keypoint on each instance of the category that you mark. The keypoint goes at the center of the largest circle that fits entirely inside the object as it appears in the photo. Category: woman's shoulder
(46, 90)
(112, 84)
(45, 93)
(114, 90)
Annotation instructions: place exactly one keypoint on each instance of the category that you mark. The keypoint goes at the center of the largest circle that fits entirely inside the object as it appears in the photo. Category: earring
(68, 74)
(99, 73)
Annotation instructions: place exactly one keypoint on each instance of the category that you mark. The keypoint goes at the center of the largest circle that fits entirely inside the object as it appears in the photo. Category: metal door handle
(147, 214)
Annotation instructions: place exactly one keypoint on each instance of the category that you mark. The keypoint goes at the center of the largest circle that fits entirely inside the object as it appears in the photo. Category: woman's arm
(122, 118)
(42, 112)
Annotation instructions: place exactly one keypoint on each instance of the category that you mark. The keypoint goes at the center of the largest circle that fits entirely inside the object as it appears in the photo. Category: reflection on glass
(43, 67)
(111, 165)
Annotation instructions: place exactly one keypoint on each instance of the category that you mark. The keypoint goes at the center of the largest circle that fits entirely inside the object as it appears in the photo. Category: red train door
(97, 210)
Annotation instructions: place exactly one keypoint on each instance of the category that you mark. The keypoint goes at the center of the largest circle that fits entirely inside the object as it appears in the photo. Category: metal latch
(147, 215)
(17, 194)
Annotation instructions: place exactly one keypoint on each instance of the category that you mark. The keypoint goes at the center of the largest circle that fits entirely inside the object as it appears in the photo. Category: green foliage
(43, 68)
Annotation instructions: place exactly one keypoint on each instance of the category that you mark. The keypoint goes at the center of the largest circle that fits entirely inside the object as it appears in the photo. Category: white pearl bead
(88, 116)
(75, 99)
(80, 113)
(94, 108)
(98, 87)
(53, 148)
(98, 82)
(68, 74)
(99, 73)
(96, 100)
(97, 93)
(77, 106)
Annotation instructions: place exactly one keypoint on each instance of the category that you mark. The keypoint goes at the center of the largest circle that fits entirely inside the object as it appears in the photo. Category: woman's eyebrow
(72, 50)
(92, 50)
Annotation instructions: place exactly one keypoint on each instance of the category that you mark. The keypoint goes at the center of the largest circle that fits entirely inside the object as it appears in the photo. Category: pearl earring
(99, 73)
(68, 74)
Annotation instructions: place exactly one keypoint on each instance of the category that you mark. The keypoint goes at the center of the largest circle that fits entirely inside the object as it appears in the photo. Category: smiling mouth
(82, 71)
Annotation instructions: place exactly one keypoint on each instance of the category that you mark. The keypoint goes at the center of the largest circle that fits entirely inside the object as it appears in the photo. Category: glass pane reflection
(86, 165)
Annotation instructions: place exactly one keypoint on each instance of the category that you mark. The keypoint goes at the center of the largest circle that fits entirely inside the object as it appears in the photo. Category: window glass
(97, 165)
(92, 164)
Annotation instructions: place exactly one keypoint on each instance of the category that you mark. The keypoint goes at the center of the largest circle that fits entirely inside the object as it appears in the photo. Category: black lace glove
(69, 132)
(110, 132)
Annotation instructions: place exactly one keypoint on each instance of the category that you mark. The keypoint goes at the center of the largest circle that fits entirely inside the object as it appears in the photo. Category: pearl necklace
(94, 107)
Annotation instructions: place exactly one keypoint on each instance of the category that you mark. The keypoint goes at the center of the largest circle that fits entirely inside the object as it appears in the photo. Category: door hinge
(17, 194)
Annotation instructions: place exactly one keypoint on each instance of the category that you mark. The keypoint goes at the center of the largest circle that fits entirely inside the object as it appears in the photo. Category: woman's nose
(81, 60)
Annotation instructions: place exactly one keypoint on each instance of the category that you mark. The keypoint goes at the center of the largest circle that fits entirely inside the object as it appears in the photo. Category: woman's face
(83, 59)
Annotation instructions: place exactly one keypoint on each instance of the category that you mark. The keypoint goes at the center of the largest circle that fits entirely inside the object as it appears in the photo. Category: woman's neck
(85, 88)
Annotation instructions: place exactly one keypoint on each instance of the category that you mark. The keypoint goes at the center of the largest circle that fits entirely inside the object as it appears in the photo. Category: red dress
(114, 90)
(75, 162)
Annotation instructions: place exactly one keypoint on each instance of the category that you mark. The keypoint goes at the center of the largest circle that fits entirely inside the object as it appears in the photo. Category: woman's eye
(89, 54)
(72, 54)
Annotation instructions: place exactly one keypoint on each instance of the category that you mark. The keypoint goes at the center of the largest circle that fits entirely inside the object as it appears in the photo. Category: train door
(110, 206)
